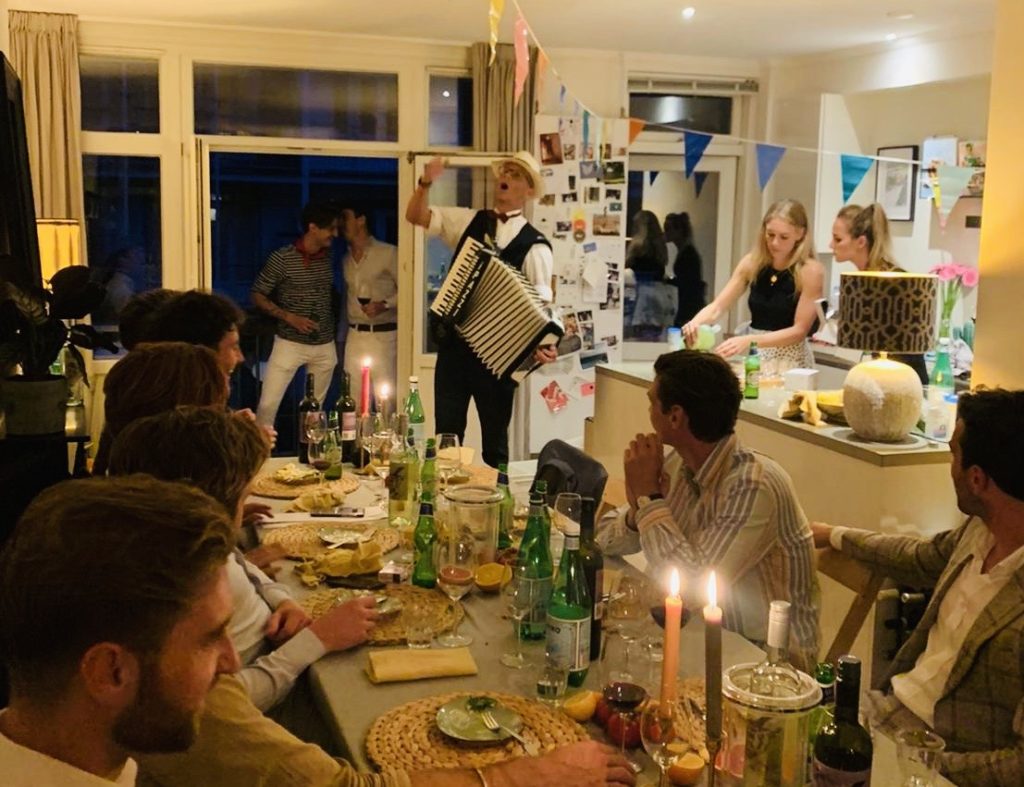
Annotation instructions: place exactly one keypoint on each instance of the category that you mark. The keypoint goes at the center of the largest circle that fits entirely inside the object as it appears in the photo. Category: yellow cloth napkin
(366, 558)
(802, 406)
(388, 666)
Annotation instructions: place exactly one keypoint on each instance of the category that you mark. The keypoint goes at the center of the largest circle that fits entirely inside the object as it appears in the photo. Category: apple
(623, 731)
(603, 712)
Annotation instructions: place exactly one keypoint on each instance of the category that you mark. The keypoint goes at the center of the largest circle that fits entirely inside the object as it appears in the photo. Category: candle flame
(673, 583)
(366, 362)
(384, 391)
(712, 591)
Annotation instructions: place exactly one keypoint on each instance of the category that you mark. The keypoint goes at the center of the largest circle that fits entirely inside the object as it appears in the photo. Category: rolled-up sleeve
(449, 224)
(537, 268)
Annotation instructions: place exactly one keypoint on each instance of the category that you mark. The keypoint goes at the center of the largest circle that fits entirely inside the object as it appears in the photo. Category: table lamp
(885, 312)
(60, 245)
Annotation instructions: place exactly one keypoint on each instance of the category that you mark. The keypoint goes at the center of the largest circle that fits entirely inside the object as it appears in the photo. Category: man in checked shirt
(712, 503)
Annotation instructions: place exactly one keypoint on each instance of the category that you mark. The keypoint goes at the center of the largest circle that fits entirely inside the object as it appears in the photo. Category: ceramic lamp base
(882, 400)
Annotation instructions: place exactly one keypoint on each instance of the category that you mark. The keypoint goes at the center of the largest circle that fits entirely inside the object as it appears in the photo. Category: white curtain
(44, 52)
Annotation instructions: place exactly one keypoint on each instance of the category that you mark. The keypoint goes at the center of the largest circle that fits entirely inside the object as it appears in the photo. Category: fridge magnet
(615, 194)
(569, 152)
(614, 172)
(587, 388)
(607, 224)
(592, 194)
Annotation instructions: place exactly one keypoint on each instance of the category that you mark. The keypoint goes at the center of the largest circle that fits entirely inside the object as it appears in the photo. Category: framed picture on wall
(896, 182)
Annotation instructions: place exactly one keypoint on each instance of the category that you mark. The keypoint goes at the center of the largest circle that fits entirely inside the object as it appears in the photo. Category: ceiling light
(688, 12)
(890, 36)
(901, 15)
(446, 93)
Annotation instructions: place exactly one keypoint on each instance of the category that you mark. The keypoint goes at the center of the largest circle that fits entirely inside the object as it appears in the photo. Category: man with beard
(115, 606)
(960, 672)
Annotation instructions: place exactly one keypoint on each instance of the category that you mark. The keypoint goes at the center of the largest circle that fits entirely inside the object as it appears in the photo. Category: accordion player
(496, 311)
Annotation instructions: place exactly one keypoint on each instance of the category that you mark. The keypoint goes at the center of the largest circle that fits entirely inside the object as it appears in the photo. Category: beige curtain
(44, 52)
(498, 123)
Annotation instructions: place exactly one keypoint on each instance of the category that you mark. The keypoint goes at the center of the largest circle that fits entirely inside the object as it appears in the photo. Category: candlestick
(670, 664)
(364, 399)
(713, 661)
(382, 405)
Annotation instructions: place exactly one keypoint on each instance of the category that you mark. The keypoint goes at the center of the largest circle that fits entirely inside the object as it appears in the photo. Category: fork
(491, 723)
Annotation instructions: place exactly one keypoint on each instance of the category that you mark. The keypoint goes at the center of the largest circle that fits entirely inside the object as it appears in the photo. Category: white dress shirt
(450, 224)
(375, 276)
(24, 767)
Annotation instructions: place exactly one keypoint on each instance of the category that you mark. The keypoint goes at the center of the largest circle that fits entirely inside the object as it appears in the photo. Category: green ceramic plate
(456, 720)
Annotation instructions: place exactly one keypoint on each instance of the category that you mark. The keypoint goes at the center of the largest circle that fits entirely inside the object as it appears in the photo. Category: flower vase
(946, 327)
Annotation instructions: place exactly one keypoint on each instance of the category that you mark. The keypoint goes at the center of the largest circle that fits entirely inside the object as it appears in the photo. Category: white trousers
(285, 360)
(382, 349)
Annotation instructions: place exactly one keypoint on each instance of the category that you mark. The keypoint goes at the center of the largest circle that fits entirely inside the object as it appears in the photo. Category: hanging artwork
(895, 182)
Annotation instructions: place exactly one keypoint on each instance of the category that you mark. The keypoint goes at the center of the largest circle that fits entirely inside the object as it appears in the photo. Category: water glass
(419, 632)
(917, 752)
(449, 456)
(552, 680)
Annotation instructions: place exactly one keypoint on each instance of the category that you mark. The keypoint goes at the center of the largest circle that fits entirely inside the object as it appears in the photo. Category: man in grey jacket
(961, 672)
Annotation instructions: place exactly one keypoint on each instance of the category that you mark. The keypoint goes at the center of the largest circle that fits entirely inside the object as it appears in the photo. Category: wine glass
(626, 607)
(449, 456)
(455, 577)
(315, 426)
(518, 598)
(659, 736)
(624, 697)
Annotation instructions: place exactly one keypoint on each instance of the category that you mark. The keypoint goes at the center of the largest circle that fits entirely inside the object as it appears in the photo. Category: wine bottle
(428, 473)
(505, 508)
(752, 373)
(535, 562)
(424, 570)
(593, 569)
(403, 473)
(347, 416)
(825, 676)
(842, 749)
(332, 447)
(309, 404)
(414, 409)
(569, 610)
(775, 676)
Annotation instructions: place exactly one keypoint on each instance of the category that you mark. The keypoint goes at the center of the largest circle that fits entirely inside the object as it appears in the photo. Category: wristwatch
(424, 184)
(643, 500)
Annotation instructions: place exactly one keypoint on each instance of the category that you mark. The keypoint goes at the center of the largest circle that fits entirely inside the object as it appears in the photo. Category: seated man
(198, 317)
(711, 503)
(127, 664)
(961, 672)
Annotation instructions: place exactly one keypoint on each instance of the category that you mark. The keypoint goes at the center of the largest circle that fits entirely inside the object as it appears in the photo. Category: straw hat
(528, 163)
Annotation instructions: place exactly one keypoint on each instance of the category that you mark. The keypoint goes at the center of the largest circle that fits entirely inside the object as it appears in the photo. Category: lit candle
(713, 661)
(670, 664)
(364, 400)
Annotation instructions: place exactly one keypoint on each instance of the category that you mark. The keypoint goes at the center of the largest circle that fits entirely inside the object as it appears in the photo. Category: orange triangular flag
(635, 127)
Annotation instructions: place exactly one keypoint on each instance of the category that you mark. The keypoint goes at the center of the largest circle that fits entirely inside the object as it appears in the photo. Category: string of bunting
(948, 182)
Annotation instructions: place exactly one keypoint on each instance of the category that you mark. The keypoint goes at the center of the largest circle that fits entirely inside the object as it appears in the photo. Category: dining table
(350, 703)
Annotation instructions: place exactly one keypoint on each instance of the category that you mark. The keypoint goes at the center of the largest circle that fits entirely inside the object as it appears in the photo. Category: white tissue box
(801, 380)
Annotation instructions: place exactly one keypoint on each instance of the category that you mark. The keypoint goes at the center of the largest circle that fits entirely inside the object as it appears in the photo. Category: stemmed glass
(626, 607)
(458, 559)
(449, 456)
(624, 698)
(518, 598)
(658, 733)
(315, 427)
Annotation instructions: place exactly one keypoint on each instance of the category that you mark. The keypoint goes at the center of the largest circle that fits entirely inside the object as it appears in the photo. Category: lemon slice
(686, 770)
(581, 706)
(491, 576)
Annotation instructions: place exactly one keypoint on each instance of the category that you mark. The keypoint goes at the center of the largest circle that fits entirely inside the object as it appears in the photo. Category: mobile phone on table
(349, 512)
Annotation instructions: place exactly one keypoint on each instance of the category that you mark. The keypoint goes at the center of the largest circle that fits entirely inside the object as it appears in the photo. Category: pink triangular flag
(522, 46)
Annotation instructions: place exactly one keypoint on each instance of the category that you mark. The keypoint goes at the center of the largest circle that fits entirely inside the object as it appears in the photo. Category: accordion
(496, 310)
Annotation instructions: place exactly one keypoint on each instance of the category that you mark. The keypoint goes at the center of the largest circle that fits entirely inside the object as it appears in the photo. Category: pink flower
(970, 277)
(945, 272)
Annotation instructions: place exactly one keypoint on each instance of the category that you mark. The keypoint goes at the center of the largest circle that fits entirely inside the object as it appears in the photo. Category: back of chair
(567, 469)
(863, 581)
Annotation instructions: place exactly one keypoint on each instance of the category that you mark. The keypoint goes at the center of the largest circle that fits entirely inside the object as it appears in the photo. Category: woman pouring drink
(785, 280)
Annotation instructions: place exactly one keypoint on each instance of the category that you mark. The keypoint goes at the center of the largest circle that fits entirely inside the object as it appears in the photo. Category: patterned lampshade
(891, 312)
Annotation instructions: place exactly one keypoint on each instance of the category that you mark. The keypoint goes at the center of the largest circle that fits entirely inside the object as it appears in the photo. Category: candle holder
(714, 747)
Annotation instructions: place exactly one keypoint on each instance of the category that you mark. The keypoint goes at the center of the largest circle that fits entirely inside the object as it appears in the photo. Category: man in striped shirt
(295, 287)
(712, 503)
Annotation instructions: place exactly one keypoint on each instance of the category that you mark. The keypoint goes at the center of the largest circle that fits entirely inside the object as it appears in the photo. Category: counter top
(763, 412)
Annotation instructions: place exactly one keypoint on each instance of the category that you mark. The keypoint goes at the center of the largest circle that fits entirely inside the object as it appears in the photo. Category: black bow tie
(503, 217)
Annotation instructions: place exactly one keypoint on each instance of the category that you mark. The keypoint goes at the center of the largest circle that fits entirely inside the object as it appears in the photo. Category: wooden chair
(614, 497)
(863, 581)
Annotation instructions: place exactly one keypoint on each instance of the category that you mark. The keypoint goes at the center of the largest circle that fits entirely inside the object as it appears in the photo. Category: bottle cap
(414, 379)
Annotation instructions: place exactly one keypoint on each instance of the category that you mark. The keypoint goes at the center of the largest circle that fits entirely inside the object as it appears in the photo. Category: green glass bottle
(941, 381)
(428, 472)
(535, 562)
(843, 749)
(332, 447)
(540, 487)
(403, 474)
(504, 509)
(424, 570)
(825, 675)
(569, 611)
(593, 569)
(417, 418)
(752, 373)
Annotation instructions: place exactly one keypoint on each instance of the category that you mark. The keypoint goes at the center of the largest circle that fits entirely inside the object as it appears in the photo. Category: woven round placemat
(407, 736)
(431, 605)
(302, 541)
(268, 486)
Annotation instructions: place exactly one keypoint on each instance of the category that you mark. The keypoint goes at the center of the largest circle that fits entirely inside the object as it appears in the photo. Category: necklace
(775, 276)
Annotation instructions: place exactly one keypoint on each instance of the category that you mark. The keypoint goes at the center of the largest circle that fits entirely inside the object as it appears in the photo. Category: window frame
(433, 71)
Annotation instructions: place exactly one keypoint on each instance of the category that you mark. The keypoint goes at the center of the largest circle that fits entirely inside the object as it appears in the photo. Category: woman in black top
(686, 267)
(784, 278)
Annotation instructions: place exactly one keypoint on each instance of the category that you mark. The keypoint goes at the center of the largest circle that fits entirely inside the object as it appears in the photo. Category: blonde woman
(784, 278)
(861, 236)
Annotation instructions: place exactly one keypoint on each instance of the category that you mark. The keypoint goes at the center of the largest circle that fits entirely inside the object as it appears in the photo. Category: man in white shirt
(961, 672)
(370, 269)
(115, 606)
(460, 375)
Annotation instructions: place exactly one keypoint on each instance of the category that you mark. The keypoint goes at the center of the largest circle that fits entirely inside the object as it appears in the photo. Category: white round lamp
(885, 312)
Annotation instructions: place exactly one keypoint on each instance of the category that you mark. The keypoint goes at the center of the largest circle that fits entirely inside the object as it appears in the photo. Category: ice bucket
(473, 511)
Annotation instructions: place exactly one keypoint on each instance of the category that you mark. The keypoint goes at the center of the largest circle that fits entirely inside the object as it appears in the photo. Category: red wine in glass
(624, 697)
(658, 613)
(320, 464)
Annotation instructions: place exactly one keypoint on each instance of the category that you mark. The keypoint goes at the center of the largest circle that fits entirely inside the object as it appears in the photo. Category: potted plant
(33, 333)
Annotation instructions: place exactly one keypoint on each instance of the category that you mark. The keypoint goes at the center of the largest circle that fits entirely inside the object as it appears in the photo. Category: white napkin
(299, 517)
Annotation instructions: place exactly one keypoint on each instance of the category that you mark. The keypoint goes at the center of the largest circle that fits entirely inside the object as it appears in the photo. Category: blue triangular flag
(768, 158)
(651, 176)
(694, 145)
(698, 181)
(586, 132)
(854, 169)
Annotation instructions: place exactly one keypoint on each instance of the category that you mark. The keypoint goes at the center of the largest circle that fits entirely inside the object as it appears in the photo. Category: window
(710, 114)
(285, 102)
(451, 111)
(119, 94)
(122, 224)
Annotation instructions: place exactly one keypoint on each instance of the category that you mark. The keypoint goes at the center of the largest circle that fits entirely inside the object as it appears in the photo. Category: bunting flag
(586, 133)
(522, 49)
(635, 127)
(494, 19)
(854, 168)
(597, 142)
(694, 145)
(698, 181)
(651, 177)
(768, 158)
(539, 72)
(952, 183)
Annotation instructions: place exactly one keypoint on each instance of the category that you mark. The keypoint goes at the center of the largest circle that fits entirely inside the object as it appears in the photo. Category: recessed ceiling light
(890, 36)
(446, 93)
(902, 15)
(688, 12)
